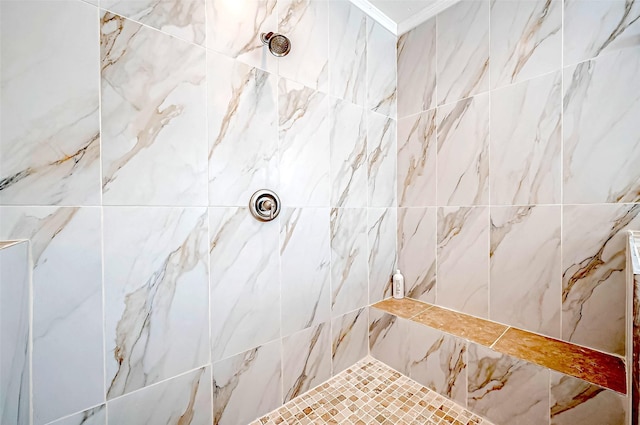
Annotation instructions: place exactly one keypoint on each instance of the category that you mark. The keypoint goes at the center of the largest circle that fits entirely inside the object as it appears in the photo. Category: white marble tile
(349, 260)
(244, 281)
(50, 140)
(526, 280)
(305, 177)
(306, 360)
(601, 141)
(156, 294)
(417, 69)
(381, 235)
(154, 139)
(305, 255)
(234, 29)
(381, 70)
(382, 158)
(94, 416)
(417, 243)
(417, 150)
(526, 133)
(181, 18)
(506, 390)
(347, 52)
(305, 23)
(526, 39)
(593, 262)
(463, 152)
(574, 401)
(389, 339)
(463, 259)
(247, 385)
(349, 339)
(67, 306)
(185, 399)
(243, 130)
(438, 361)
(348, 154)
(463, 50)
(592, 28)
(15, 295)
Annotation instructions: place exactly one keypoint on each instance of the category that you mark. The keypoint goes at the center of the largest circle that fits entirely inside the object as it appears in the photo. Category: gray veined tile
(156, 294)
(15, 293)
(526, 39)
(506, 390)
(185, 399)
(243, 131)
(593, 262)
(438, 361)
(463, 50)
(381, 235)
(94, 416)
(382, 158)
(306, 360)
(349, 339)
(347, 52)
(50, 154)
(247, 385)
(348, 154)
(612, 26)
(305, 178)
(305, 23)
(417, 69)
(154, 138)
(417, 160)
(181, 18)
(601, 141)
(463, 259)
(417, 243)
(305, 256)
(349, 260)
(525, 267)
(463, 152)
(574, 401)
(67, 305)
(381, 70)
(234, 29)
(526, 140)
(389, 339)
(244, 281)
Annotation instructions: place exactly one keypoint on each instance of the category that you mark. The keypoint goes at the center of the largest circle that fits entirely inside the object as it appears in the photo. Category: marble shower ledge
(593, 366)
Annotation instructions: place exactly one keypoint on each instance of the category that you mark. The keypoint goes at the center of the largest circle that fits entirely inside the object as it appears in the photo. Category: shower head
(279, 45)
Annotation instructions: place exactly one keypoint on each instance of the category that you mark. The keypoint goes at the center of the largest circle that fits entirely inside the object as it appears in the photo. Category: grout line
(503, 333)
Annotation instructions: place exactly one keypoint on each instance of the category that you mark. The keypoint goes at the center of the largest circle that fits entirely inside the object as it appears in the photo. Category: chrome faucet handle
(265, 205)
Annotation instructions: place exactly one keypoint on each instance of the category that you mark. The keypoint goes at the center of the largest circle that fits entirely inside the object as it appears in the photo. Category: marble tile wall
(520, 136)
(134, 133)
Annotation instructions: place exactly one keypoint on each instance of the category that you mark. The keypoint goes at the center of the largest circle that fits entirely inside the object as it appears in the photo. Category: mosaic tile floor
(371, 393)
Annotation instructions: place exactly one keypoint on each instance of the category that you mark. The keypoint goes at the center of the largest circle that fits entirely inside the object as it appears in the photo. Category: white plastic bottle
(398, 285)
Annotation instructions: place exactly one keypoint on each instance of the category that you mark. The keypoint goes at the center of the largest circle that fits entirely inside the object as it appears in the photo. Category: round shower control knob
(264, 205)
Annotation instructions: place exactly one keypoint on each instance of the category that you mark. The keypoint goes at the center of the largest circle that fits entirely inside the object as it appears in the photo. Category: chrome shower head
(279, 45)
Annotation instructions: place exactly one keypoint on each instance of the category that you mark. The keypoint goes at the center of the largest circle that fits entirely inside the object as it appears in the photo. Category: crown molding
(377, 15)
(423, 16)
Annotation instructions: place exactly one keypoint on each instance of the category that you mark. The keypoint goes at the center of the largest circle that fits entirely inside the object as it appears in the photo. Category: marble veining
(243, 130)
(156, 295)
(525, 267)
(244, 281)
(389, 339)
(94, 416)
(526, 140)
(381, 236)
(247, 385)
(381, 70)
(349, 339)
(51, 150)
(593, 285)
(417, 243)
(153, 117)
(526, 39)
(382, 158)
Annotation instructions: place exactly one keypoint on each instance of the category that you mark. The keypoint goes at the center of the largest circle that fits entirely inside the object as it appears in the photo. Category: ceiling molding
(377, 15)
(423, 16)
